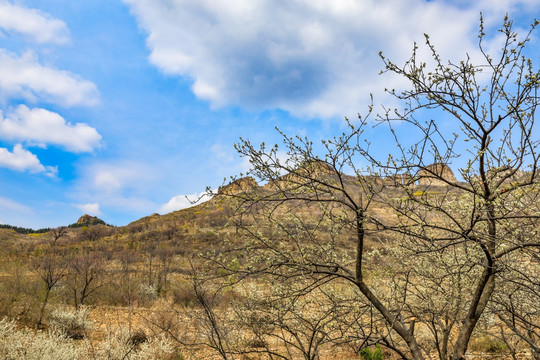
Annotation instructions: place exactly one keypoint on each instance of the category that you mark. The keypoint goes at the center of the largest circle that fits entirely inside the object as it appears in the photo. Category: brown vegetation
(333, 256)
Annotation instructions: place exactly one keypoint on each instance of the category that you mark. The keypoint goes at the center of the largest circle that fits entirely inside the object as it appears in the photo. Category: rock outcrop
(245, 184)
(436, 174)
(89, 220)
(315, 169)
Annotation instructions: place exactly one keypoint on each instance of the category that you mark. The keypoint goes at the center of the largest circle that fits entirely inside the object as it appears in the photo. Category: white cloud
(13, 212)
(22, 160)
(179, 202)
(10, 205)
(108, 180)
(90, 209)
(32, 23)
(310, 57)
(121, 184)
(118, 176)
(24, 77)
(43, 127)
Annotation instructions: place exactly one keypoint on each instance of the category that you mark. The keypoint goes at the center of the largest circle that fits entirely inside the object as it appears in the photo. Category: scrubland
(175, 287)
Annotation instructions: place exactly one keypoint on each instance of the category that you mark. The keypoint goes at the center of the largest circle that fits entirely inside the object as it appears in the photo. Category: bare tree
(58, 233)
(210, 327)
(85, 276)
(516, 306)
(165, 257)
(451, 242)
(92, 233)
(284, 322)
(51, 268)
(493, 105)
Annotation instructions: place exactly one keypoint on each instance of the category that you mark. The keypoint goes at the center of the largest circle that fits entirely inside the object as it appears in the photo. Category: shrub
(138, 337)
(488, 344)
(165, 319)
(368, 354)
(147, 294)
(25, 344)
(185, 296)
(73, 323)
(119, 345)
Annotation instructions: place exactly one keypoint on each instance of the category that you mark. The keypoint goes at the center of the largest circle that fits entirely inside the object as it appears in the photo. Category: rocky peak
(436, 174)
(312, 169)
(89, 220)
(243, 184)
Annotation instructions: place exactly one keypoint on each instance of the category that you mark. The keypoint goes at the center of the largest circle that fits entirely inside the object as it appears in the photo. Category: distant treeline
(21, 230)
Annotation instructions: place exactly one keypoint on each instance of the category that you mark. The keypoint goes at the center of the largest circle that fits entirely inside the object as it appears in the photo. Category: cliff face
(435, 174)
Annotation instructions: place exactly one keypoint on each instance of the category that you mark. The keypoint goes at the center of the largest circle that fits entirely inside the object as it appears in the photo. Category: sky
(121, 108)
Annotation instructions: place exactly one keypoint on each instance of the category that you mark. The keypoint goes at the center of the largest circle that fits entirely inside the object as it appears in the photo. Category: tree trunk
(481, 297)
(42, 311)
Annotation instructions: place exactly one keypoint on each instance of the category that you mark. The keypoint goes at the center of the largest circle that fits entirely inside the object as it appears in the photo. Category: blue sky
(121, 108)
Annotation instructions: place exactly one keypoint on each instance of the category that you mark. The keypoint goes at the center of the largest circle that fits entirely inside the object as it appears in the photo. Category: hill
(255, 262)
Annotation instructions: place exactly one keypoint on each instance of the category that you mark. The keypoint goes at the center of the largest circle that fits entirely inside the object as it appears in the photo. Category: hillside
(254, 264)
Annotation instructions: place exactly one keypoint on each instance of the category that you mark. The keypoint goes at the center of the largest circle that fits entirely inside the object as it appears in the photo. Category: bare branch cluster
(429, 257)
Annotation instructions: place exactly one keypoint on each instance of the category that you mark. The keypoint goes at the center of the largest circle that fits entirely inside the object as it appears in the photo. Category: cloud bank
(314, 58)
